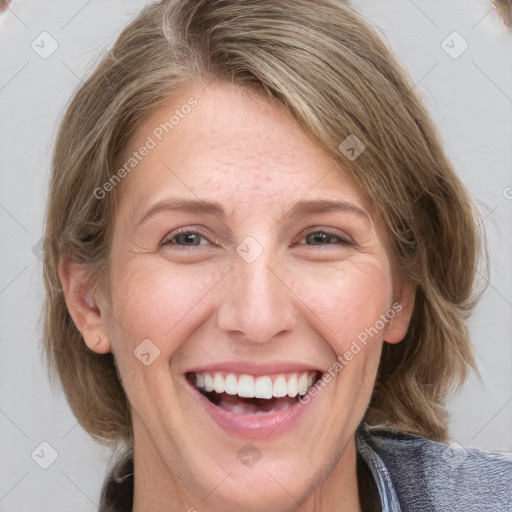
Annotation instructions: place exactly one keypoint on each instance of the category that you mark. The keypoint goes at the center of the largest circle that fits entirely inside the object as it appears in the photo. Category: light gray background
(469, 97)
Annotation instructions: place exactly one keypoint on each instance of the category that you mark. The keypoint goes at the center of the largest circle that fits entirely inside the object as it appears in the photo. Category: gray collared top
(414, 474)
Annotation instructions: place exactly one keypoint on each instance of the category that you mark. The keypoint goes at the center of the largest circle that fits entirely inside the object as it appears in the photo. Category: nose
(257, 304)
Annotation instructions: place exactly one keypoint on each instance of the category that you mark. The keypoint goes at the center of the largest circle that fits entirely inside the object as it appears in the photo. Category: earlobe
(102, 345)
(78, 287)
(400, 314)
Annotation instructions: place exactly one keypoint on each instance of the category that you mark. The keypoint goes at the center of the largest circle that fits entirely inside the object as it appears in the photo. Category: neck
(337, 489)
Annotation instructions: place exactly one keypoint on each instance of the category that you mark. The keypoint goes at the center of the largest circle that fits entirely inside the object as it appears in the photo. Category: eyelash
(183, 231)
(168, 240)
(342, 240)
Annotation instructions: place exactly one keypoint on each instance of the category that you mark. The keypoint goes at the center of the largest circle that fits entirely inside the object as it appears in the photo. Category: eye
(185, 238)
(323, 237)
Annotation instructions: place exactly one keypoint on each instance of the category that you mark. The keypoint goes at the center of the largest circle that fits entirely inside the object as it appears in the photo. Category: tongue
(239, 405)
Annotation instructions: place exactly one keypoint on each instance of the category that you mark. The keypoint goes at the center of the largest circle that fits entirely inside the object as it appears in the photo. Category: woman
(259, 264)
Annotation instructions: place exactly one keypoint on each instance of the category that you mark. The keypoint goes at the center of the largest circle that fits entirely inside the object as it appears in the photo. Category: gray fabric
(418, 475)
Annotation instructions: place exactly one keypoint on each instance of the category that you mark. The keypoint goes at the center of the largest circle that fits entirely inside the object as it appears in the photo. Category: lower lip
(254, 426)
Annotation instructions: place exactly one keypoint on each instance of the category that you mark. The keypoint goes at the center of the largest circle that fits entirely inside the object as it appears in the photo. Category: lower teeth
(238, 405)
(263, 407)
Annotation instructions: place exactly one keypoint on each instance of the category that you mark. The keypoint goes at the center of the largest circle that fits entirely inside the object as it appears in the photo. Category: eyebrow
(315, 206)
(182, 204)
(300, 209)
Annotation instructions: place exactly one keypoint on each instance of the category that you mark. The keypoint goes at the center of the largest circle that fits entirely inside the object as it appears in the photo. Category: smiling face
(248, 265)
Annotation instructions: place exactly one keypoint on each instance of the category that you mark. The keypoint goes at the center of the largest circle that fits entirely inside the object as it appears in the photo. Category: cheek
(346, 300)
(152, 300)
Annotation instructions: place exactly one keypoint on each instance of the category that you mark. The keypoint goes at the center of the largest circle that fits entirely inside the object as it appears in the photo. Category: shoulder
(427, 475)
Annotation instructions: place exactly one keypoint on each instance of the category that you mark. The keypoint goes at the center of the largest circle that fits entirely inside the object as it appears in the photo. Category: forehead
(233, 147)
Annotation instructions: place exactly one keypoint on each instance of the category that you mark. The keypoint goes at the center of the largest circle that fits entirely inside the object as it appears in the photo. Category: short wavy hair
(332, 72)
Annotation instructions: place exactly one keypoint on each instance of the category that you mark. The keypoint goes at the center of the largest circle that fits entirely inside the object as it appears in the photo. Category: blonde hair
(321, 62)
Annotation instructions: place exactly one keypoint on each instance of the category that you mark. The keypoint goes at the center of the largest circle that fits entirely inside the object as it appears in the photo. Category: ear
(79, 293)
(400, 313)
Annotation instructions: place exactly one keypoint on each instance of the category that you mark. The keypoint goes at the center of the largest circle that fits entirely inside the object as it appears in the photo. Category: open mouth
(248, 394)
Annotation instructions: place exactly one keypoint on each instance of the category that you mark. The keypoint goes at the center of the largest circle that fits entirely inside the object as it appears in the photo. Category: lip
(255, 369)
(253, 426)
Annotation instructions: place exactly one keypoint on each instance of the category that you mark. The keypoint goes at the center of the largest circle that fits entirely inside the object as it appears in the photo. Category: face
(245, 269)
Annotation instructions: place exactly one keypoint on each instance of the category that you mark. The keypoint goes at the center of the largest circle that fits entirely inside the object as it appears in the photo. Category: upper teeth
(264, 386)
